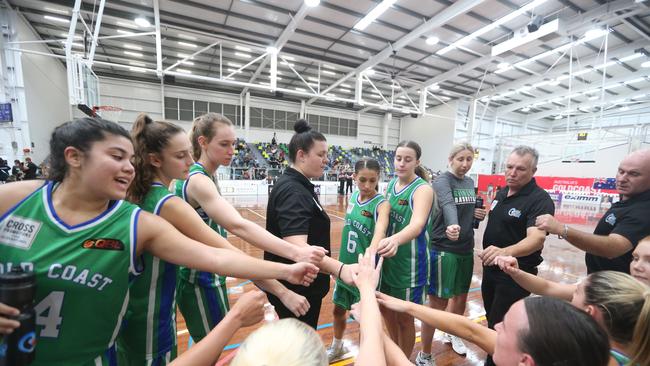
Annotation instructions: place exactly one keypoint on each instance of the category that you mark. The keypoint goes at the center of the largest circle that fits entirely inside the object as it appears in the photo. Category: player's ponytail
(149, 137)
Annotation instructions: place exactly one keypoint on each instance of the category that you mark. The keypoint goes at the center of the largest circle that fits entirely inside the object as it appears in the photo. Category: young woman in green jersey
(617, 301)
(83, 242)
(366, 222)
(406, 269)
(213, 139)
(163, 153)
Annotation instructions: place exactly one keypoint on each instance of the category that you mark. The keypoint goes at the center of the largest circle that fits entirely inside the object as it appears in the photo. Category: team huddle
(131, 226)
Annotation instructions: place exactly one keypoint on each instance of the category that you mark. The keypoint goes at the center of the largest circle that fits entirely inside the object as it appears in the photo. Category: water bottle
(269, 313)
(477, 204)
(17, 289)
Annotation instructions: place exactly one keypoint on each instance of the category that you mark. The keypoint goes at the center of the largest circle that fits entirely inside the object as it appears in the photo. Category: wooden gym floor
(562, 263)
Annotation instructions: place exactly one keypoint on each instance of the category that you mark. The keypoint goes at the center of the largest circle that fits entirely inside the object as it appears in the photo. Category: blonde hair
(625, 305)
(460, 148)
(286, 342)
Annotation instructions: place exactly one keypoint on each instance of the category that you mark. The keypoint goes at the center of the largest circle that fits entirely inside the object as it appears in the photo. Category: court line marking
(255, 213)
(338, 217)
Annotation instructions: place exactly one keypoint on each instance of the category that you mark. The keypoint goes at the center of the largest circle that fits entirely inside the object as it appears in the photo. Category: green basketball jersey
(359, 227)
(150, 323)
(82, 274)
(410, 266)
(187, 274)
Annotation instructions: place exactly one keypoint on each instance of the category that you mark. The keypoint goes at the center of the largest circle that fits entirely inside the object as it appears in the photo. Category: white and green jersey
(150, 323)
(193, 276)
(359, 227)
(410, 266)
(82, 274)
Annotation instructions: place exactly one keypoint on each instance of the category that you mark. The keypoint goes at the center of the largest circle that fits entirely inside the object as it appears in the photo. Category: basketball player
(366, 222)
(406, 269)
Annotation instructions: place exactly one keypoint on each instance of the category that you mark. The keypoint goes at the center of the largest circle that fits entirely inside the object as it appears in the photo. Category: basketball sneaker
(422, 360)
(335, 353)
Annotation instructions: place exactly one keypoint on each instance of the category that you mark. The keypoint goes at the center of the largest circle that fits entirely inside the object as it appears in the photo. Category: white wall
(607, 160)
(434, 133)
(135, 97)
(39, 86)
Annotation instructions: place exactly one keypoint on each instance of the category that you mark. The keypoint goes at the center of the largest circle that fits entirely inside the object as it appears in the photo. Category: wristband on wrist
(340, 269)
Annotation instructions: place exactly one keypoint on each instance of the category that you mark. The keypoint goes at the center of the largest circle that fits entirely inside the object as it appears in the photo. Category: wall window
(186, 109)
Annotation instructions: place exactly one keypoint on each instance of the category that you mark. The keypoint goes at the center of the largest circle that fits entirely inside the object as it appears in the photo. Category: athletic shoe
(334, 354)
(458, 346)
(420, 360)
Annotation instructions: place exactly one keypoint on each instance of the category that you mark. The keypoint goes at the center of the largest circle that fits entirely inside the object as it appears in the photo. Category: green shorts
(413, 294)
(345, 295)
(126, 359)
(451, 273)
(203, 307)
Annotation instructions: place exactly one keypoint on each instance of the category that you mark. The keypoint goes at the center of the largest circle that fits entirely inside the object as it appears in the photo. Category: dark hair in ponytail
(149, 137)
(419, 170)
(367, 163)
(303, 139)
(81, 134)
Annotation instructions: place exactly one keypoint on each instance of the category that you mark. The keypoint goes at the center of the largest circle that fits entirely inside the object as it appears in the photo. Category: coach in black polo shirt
(621, 227)
(294, 214)
(511, 230)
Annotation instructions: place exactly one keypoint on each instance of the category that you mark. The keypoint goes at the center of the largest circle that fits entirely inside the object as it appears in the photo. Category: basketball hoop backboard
(83, 84)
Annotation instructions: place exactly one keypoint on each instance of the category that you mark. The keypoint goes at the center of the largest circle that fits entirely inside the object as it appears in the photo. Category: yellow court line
(418, 339)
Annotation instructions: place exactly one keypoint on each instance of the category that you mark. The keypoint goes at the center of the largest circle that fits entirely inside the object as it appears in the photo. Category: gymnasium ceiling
(599, 56)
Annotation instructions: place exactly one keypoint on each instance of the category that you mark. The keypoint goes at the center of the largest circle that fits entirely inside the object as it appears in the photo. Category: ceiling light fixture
(56, 19)
(433, 40)
(186, 44)
(184, 71)
(242, 55)
(374, 14)
(132, 47)
(328, 72)
(134, 54)
(312, 3)
(142, 22)
(645, 64)
(242, 48)
(491, 26)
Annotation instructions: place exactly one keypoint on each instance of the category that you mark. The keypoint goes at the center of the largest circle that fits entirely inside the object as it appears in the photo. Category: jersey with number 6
(82, 274)
(359, 227)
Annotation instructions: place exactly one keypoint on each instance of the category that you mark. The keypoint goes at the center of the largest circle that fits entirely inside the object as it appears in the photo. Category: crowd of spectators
(19, 171)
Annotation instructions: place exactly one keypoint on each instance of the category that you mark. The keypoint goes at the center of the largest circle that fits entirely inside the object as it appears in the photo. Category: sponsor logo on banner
(576, 197)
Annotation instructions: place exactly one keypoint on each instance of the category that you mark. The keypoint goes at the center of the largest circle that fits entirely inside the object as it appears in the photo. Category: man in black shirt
(511, 230)
(621, 227)
(30, 169)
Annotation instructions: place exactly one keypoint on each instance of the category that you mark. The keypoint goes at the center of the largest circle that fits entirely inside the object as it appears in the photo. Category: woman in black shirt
(294, 214)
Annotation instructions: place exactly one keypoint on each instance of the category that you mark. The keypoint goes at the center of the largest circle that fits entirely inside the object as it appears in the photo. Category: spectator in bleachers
(5, 171)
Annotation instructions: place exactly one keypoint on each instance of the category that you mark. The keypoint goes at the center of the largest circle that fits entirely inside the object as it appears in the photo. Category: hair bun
(301, 126)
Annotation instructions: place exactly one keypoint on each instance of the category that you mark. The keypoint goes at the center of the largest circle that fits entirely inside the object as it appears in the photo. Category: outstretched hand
(369, 271)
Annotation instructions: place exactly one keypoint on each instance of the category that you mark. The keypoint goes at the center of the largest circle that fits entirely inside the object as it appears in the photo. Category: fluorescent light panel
(374, 14)
(56, 19)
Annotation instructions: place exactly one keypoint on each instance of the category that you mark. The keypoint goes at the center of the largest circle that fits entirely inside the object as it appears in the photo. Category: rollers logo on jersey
(403, 202)
(105, 244)
(366, 213)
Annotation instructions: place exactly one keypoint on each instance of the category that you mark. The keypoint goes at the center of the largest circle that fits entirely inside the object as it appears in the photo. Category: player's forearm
(410, 232)
(371, 348)
(237, 264)
(207, 351)
(272, 286)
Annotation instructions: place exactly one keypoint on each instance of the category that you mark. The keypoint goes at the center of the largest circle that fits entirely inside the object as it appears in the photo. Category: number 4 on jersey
(48, 314)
